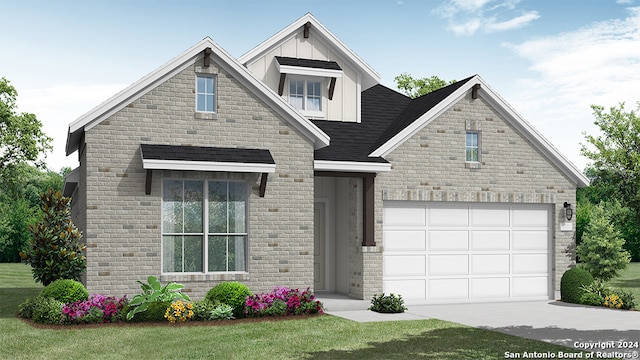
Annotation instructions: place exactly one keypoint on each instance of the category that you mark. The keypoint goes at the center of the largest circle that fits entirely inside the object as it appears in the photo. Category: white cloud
(59, 105)
(624, 2)
(598, 64)
(466, 17)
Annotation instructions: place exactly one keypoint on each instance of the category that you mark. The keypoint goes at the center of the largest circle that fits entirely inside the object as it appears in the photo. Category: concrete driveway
(597, 329)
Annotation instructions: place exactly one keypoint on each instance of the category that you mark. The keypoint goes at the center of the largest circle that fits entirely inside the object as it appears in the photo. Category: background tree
(417, 87)
(601, 251)
(615, 171)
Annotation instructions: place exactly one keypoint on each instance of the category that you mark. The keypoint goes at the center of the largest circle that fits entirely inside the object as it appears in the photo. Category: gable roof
(174, 66)
(421, 111)
(369, 76)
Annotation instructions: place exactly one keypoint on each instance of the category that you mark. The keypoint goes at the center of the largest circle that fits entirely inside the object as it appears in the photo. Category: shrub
(571, 284)
(153, 292)
(97, 309)
(179, 311)
(627, 299)
(231, 293)
(65, 291)
(203, 310)
(47, 311)
(25, 309)
(387, 304)
(592, 299)
(155, 312)
(222, 312)
(283, 301)
(601, 251)
(55, 251)
(597, 287)
(613, 301)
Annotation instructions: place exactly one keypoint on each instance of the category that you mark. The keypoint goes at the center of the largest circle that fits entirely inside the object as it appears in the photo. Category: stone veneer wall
(430, 166)
(123, 225)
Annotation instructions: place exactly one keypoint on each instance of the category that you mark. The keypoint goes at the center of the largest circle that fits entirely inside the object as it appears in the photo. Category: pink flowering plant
(282, 301)
(97, 309)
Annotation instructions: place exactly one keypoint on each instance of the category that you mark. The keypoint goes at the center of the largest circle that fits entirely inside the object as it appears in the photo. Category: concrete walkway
(551, 321)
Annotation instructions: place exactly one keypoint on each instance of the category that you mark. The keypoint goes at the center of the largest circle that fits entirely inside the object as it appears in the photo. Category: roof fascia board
(153, 164)
(534, 136)
(307, 71)
(422, 121)
(350, 166)
(326, 34)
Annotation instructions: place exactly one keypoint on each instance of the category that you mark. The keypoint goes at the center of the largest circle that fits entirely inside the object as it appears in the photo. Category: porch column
(368, 189)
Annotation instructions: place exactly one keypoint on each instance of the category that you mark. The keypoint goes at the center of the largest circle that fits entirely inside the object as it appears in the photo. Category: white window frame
(307, 79)
(467, 146)
(214, 93)
(205, 228)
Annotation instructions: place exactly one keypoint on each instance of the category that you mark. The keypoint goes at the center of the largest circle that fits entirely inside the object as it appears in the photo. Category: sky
(549, 59)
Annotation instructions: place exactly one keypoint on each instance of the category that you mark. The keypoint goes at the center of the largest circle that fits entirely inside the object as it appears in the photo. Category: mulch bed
(168, 324)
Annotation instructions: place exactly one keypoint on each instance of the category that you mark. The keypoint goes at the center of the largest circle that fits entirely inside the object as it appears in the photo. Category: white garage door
(466, 252)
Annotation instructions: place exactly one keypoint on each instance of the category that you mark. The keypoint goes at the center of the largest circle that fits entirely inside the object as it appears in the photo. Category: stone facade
(122, 225)
(430, 166)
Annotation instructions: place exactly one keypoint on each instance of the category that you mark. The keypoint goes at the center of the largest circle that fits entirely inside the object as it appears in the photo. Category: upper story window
(206, 94)
(472, 146)
(305, 94)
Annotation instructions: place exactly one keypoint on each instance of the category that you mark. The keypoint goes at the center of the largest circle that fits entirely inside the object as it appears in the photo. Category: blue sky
(550, 59)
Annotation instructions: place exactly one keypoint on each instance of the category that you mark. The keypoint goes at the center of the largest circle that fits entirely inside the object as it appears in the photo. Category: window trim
(306, 79)
(205, 227)
(477, 147)
(215, 93)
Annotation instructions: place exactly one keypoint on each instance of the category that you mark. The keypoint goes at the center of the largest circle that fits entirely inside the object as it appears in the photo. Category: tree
(55, 251)
(601, 251)
(615, 171)
(417, 87)
(21, 135)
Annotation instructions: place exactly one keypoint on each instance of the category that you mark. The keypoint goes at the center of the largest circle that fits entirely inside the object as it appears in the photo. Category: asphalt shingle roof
(208, 154)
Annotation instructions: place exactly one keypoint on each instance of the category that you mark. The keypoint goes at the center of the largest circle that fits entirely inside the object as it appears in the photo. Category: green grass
(629, 279)
(320, 337)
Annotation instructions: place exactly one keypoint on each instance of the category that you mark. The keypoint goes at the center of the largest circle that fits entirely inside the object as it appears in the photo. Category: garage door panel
(529, 263)
(410, 289)
(448, 240)
(530, 218)
(490, 288)
(405, 214)
(440, 289)
(404, 265)
(530, 240)
(484, 240)
(489, 217)
(444, 265)
(399, 240)
(530, 286)
(439, 217)
(490, 264)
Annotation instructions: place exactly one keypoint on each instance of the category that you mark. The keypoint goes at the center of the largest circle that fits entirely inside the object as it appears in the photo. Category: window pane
(209, 105)
(172, 206)
(217, 253)
(201, 102)
(217, 207)
(172, 253)
(201, 84)
(237, 253)
(193, 250)
(209, 85)
(193, 207)
(237, 210)
(313, 103)
(472, 154)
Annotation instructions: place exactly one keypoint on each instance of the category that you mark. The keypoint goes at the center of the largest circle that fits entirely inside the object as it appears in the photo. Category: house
(294, 166)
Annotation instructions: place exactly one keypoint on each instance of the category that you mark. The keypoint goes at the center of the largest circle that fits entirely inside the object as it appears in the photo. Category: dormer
(313, 71)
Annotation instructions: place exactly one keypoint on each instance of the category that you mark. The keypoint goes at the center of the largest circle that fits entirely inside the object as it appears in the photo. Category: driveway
(555, 322)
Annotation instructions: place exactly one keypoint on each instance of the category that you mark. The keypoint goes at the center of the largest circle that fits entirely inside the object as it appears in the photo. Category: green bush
(25, 309)
(571, 284)
(47, 311)
(627, 299)
(65, 291)
(55, 251)
(222, 312)
(387, 303)
(592, 299)
(154, 312)
(231, 293)
(203, 310)
(152, 292)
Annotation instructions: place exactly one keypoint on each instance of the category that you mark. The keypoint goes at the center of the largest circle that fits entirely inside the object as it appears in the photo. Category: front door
(320, 234)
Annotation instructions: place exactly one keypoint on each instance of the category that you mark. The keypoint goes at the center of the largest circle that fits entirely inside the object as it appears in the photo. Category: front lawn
(319, 337)
(629, 279)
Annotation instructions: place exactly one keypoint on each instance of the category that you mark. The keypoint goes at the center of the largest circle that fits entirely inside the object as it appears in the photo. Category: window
(191, 206)
(472, 147)
(305, 94)
(206, 93)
